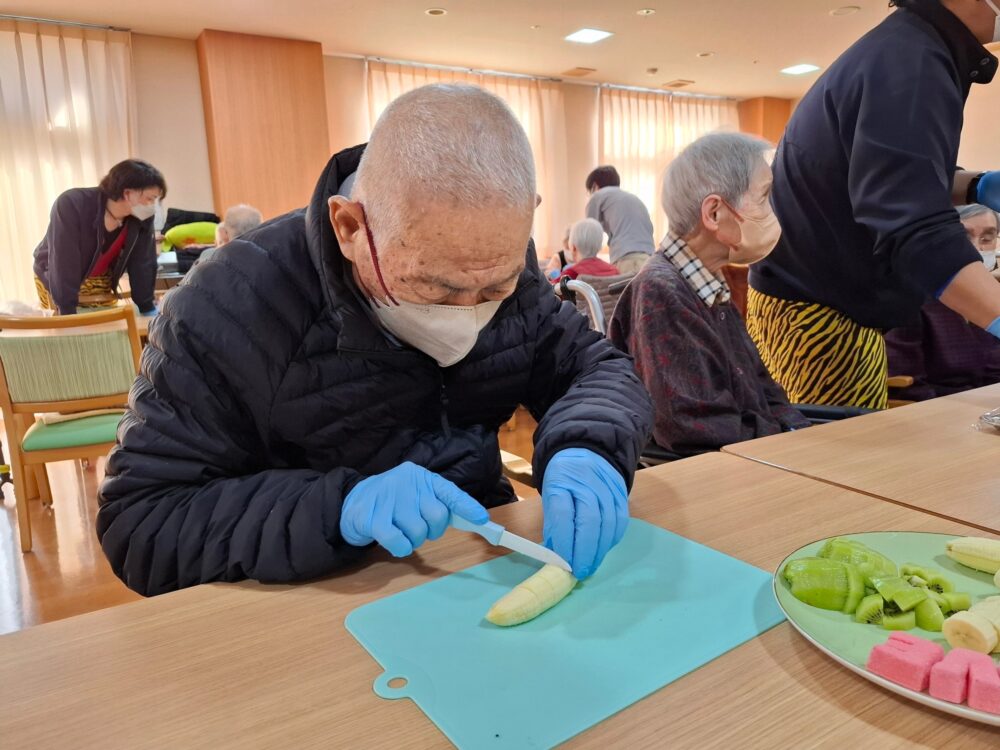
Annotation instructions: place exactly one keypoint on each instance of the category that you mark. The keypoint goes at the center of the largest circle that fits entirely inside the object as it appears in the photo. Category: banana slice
(970, 630)
(527, 600)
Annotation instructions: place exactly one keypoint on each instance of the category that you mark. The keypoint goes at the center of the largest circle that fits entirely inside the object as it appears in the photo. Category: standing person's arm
(65, 270)
(594, 208)
(901, 178)
(141, 269)
(975, 295)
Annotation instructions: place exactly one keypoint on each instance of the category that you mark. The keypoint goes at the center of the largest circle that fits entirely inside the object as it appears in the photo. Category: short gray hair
(587, 237)
(977, 209)
(716, 164)
(241, 219)
(454, 142)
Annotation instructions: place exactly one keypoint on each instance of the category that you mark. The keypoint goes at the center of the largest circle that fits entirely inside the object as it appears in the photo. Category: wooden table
(932, 455)
(252, 666)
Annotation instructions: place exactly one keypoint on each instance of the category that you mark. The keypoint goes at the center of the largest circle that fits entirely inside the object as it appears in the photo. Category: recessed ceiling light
(588, 36)
(705, 54)
(800, 70)
(652, 71)
(845, 10)
(535, 27)
(645, 11)
(436, 12)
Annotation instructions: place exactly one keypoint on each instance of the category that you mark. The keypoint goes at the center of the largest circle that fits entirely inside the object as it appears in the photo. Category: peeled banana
(527, 600)
(970, 630)
(976, 552)
(978, 629)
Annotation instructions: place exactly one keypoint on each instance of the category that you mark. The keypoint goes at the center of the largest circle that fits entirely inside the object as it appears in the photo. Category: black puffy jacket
(267, 392)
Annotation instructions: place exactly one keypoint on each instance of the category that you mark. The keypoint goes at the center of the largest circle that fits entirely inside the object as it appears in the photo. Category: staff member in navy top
(865, 184)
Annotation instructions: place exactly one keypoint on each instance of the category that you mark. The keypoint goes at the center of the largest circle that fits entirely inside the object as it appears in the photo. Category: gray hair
(977, 209)
(587, 237)
(241, 219)
(454, 142)
(716, 164)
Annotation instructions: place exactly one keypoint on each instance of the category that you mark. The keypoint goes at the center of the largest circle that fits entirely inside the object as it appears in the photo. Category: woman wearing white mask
(677, 319)
(943, 352)
(96, 235)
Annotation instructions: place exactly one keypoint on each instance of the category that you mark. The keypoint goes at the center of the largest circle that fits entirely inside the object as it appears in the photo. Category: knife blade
(498, 536)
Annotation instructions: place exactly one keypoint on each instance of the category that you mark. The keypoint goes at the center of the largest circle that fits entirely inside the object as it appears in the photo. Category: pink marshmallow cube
(906, 660)
(967, 676)
(984, 686)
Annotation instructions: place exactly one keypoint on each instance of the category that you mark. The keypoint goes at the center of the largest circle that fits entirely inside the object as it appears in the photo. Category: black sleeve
(185, 500)
(66, 269)
(584, 392)
(901, 169)
(142, 269)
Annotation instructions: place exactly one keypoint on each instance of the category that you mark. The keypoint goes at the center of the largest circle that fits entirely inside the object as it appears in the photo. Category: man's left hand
(585, 503)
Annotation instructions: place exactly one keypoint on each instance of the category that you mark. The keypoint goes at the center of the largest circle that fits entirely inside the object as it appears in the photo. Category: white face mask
(445, 332)
(996, 24)
(141, 211)
(989, 259)
(160, 217)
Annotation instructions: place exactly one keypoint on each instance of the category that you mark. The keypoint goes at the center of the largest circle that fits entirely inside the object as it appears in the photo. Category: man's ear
(711, 212)
(348, 221)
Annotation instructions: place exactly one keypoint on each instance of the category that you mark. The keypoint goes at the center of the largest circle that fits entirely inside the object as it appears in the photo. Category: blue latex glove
(994, 328)
(151, 314)
(585, 503)
(404, 507)
(988, 190)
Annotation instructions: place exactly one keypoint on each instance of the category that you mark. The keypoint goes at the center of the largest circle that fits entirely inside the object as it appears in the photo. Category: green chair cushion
(77, 432)
(195, 233)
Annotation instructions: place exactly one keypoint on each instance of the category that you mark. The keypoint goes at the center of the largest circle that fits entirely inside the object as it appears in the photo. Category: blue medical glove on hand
(404, 507)
(585, 503)
(988, 190)
(152, 313)
(994, 328)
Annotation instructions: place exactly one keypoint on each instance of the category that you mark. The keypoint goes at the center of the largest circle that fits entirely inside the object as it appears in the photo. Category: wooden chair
(67, 364)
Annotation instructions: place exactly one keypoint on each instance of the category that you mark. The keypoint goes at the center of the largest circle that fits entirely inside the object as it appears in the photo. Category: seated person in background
(586, 238)
(691, 348)
(238, 221)
(346, 386)
(942, 351)
(560, 258)
(623, 216)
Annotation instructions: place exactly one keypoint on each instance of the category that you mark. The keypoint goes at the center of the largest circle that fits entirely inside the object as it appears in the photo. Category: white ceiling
(752, 39)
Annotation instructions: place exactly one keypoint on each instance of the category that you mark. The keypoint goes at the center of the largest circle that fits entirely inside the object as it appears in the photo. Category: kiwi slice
(928, 615)
(855, 589)
(909, 598)
(929, 578)
(901, 621)
(940, 600)
(957, 600)
(939, 583)
(870, 610)
(889, 587)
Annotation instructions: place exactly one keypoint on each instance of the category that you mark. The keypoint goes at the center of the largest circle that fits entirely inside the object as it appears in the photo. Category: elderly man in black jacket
(338, 376)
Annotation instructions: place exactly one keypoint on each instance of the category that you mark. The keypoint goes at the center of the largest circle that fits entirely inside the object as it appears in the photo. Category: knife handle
(489, 531)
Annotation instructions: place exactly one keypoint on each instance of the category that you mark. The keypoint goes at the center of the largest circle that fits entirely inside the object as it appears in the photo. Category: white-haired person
(238, 221)
(707, 381)
(586, 238)
(942, 351)
(337, 379)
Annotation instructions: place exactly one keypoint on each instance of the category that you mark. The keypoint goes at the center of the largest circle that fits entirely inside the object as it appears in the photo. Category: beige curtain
(641, 132)
(66, 116)
(537, 104)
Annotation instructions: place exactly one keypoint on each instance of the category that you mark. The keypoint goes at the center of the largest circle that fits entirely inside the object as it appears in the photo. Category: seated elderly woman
(586, 238)
(691, 348)
(336, 379)
(942, 351)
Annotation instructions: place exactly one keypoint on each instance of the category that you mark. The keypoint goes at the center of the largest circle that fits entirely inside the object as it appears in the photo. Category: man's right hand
(404, 507)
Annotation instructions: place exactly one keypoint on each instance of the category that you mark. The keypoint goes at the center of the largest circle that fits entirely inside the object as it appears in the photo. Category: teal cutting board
(659, 607)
